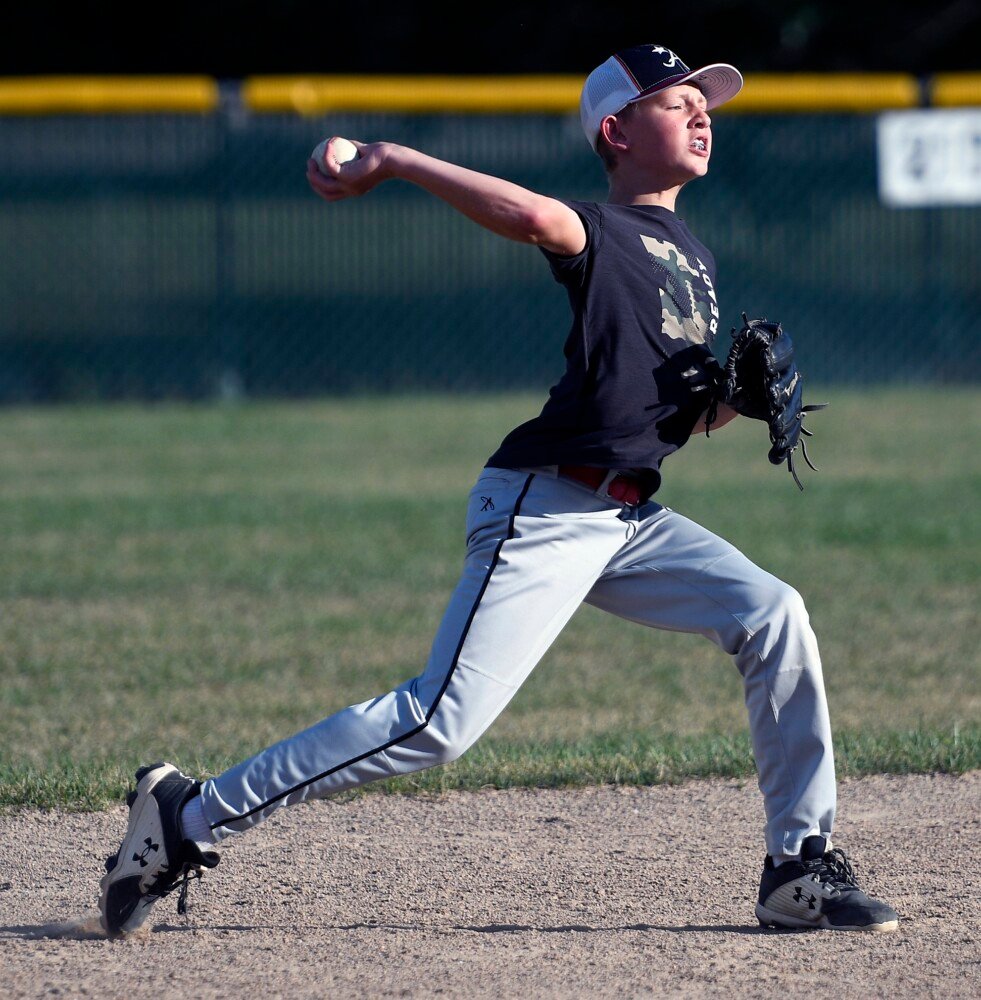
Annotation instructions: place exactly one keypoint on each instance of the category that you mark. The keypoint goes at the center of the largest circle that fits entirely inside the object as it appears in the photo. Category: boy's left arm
(723, 414)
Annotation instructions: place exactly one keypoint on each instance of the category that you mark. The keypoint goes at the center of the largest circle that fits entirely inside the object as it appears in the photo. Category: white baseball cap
(638, 72)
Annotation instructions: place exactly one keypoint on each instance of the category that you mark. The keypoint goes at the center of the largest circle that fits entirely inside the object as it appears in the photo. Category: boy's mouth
(698, 144)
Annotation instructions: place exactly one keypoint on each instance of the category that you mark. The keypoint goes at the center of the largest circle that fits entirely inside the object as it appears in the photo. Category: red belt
(622, 487)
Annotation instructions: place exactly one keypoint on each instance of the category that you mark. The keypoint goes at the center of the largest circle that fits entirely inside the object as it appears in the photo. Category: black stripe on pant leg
(446, 681)
(476, 603)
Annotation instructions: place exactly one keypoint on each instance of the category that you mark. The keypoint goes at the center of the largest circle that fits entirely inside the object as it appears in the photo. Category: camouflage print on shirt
(689, 311)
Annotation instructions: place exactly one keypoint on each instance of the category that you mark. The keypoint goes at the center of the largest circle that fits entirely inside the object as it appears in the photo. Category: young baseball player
(563, 513)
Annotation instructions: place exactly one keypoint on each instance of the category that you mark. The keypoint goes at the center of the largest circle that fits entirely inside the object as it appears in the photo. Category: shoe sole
(139, 801)
(768, 918)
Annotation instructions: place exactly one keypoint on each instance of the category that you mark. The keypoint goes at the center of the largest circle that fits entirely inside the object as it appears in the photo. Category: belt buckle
(624, 490)
(622, 487)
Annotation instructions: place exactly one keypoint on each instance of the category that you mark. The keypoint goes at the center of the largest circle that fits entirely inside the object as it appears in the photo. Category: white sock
(195, 827)
(782, 859)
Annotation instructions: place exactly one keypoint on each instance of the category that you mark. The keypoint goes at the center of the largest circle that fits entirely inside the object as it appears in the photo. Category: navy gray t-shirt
(639, 365)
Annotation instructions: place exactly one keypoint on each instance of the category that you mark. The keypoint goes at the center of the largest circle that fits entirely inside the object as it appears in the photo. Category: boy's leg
(535, 546)
(677, 575)
(524, 576)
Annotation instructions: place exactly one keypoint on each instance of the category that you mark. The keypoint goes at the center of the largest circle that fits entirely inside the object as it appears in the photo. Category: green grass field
(192, 583)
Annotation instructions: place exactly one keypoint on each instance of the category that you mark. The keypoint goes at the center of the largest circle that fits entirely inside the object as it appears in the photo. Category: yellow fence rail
(413, 94)
(813, 92)
(311, 95)
(955, 89)
(54, 95)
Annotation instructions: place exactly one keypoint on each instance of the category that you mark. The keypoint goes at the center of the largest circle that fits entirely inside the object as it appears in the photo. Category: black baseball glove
(761, 380)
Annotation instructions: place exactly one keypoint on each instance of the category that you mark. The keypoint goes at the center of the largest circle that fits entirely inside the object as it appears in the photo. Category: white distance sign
(930, 157)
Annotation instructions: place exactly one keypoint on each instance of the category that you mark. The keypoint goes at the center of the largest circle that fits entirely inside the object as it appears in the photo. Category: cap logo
(670, 60)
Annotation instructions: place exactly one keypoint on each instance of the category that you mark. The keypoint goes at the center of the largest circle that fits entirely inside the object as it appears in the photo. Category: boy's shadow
(88, 928)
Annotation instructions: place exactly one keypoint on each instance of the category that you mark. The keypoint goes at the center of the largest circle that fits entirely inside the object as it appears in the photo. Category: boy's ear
(611, 131)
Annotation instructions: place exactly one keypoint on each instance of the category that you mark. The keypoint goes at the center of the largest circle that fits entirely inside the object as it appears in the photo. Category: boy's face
(670, 135)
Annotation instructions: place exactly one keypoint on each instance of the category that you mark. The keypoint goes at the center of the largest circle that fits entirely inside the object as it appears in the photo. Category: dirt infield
(606, 892)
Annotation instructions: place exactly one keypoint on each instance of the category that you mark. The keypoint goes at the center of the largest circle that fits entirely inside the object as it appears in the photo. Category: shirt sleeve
(571, 271)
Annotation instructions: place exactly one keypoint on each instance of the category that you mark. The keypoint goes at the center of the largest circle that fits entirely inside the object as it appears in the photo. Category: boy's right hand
(356, 177)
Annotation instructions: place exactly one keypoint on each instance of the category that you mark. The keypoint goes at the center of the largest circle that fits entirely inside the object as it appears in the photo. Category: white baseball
(344, 152)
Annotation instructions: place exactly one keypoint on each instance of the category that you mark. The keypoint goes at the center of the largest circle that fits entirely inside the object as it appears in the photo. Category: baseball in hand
(344, 152)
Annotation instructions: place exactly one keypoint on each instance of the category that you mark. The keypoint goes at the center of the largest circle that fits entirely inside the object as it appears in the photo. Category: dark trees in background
(231, 40)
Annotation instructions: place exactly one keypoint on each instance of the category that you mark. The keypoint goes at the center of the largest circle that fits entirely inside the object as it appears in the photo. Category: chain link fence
(184, 256)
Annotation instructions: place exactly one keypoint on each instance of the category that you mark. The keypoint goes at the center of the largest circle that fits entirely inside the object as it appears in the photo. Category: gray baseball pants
(537, 546)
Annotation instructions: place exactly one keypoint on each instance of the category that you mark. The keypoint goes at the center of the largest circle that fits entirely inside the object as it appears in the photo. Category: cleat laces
(833, 868)
(181, 884)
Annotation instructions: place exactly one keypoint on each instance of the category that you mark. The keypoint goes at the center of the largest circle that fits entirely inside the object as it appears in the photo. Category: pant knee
(443, 747)
(779, 629)
(434, 743)
(450, 724)
(787, 607)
